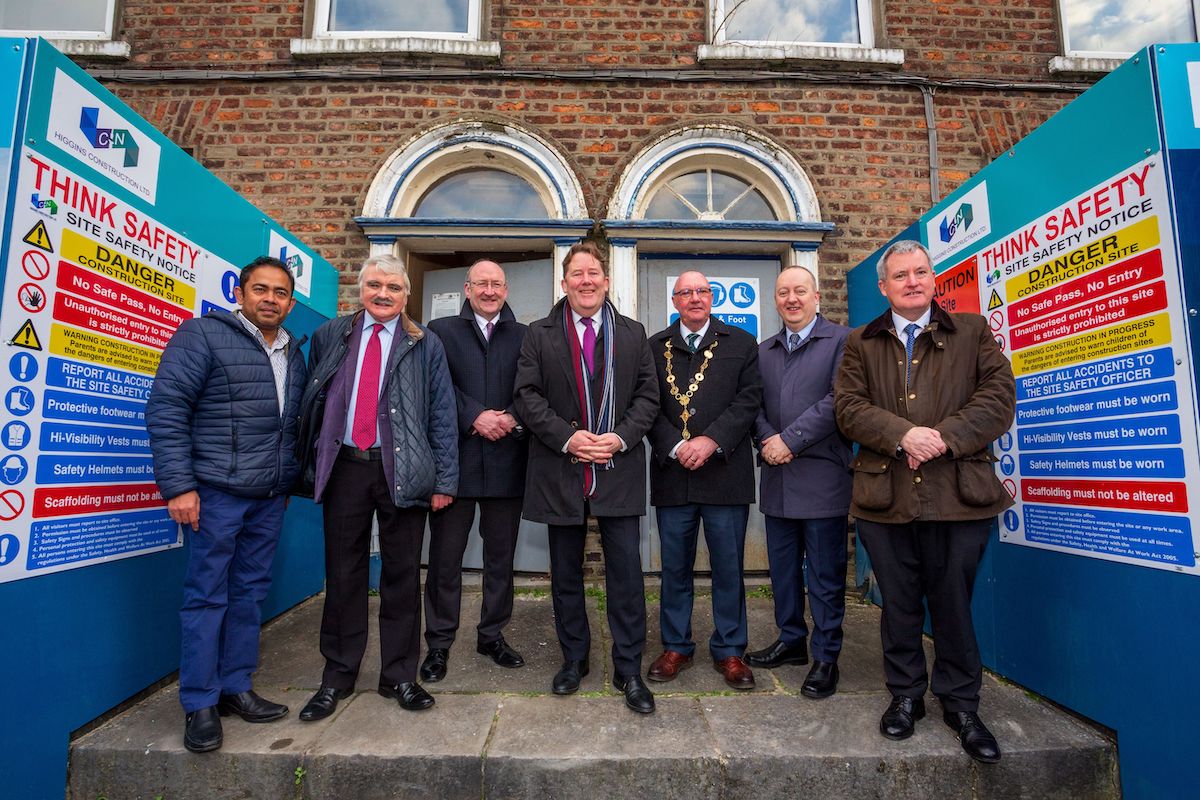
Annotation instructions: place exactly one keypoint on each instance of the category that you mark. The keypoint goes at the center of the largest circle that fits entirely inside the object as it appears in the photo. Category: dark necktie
(691, 341)
(488, 334)
(589, 345)
(793, 342)
(366, 405)
(910, 331)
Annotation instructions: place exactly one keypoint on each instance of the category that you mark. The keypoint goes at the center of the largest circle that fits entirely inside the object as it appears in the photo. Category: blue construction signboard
(112, 237)
(1080, 276)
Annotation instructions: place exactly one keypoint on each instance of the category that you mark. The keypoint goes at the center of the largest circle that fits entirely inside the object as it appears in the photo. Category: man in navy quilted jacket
(222, 419)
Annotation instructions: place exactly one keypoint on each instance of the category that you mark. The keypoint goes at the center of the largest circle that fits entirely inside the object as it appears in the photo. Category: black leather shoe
(250, 707)
(433, 668)
(410, 695)
(202, 730)
(900, 719)
(568, 677)
(778, 654)
(323, 703)
(499, 652)
(637, 695)
(822, 680)
(976, 740)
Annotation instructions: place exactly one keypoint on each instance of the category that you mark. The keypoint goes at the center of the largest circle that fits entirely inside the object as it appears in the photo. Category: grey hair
(388, 265)
(900, 248)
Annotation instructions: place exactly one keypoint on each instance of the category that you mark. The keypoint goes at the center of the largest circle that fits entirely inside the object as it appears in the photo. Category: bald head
(692, 298)
(486, 288)
(796, 297)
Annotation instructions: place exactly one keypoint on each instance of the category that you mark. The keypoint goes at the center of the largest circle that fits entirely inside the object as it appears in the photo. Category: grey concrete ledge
(468, 48)
(830, 53)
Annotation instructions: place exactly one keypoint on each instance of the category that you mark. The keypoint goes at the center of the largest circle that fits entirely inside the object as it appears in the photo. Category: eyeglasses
(488, 284)
(703, 291)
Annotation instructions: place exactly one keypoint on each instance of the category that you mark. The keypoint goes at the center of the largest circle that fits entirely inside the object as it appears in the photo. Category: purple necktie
(366, 405)
(488, 335)
(589, 345)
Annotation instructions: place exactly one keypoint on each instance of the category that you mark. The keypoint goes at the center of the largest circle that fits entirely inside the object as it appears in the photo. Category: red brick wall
(306, 150)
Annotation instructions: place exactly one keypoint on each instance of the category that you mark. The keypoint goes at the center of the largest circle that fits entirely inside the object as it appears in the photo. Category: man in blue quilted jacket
(222, 419)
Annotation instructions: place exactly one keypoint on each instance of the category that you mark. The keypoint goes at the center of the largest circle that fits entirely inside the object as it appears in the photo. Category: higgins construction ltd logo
(47, 207)
(97, 131)
(295, 262)
(961, 220)
(957, 224)
(108, 138)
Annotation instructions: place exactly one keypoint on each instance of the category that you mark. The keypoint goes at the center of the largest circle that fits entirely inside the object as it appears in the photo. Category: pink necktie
(589, 344)
(366, 405)
(488, 335)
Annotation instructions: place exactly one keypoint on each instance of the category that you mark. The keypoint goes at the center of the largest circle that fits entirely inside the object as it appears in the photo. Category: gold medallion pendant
(684, 398)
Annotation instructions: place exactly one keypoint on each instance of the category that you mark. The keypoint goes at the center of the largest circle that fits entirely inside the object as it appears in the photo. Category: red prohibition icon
(35, 264)
(31, 297)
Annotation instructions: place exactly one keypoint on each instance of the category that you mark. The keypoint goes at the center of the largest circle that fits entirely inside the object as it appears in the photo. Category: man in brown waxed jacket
(925, 393)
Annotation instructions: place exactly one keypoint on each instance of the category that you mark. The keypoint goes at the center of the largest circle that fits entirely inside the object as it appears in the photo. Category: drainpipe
(935, 189)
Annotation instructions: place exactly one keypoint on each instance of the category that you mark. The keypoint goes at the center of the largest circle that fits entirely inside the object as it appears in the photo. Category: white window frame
(721, 48)
(324, 42)
(1078, 61)
(866, 27)
(83, 42)
(321, 10)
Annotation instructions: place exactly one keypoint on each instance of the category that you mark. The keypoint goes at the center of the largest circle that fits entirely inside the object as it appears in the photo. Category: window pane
(1123, 26)
(481, 194)
(789, 21)
(55, 15)
(433, 16)
(732, 198)
(665, 205)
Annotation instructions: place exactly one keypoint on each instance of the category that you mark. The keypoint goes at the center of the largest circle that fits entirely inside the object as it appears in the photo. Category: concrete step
(498, 733)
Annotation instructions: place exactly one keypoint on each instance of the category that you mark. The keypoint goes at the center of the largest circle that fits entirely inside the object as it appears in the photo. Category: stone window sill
(406, 44)
(1077, 65)
(843, 54)
(93, 48)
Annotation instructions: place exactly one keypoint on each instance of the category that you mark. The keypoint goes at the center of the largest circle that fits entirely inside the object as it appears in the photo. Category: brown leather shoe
(667, 666)
(735, 672)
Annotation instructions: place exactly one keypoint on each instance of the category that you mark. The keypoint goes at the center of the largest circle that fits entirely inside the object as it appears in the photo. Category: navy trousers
(725, 535)
(823, 543)
(228, 577)
(935, 562)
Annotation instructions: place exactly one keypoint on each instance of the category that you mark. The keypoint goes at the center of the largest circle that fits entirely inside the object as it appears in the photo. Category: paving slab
(375, 750)
(589, 747)
(140, 755)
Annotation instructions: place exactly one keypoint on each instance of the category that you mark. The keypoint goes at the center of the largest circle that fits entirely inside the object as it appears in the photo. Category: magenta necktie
(488, 335)
(366, 405)
(589, 345)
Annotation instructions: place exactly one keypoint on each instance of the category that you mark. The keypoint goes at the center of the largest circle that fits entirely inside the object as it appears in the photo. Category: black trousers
(934, 562)
(356, 491)
(626, 592)
(499, 520)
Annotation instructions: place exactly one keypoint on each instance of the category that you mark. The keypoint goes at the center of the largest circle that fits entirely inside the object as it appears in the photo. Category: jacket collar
(227, 317)
(820, 331)
(938, 319)
(715, 328)
(412, 329)
(506, 314)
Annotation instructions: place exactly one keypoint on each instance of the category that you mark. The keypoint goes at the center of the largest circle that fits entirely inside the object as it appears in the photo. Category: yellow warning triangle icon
(27, 337)
(38, 236)
(995, 301)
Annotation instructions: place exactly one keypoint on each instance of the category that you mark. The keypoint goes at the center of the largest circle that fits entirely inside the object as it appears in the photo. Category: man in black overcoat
(482, 346)
(586, 391)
